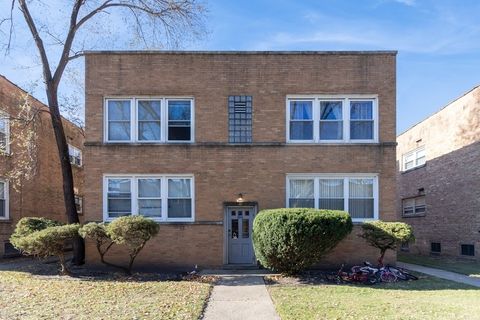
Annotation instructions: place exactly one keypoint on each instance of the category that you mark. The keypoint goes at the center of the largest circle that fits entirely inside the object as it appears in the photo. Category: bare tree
(154, 24)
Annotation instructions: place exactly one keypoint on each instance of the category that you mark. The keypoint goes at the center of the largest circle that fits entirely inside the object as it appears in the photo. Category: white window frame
(163, 119)
(163, 191)
(71, 147)
(414, 207)
(345, 176)
(345, 99)
(413, 153)
(6, 117)
(7, 199)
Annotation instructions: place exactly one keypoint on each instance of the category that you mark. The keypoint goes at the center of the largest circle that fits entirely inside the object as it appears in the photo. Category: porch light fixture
(240, 198)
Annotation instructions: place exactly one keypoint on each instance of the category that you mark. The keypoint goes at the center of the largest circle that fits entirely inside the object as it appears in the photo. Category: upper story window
(75, 155)
(322, 119)
(357, 195)
(149, 120)
(413, 159)
(79, 204)
(162, 198)
(4, 133)
(3, 200)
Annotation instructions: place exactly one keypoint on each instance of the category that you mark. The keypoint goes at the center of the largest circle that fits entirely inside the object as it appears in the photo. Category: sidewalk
(240, 296)
(457, 277)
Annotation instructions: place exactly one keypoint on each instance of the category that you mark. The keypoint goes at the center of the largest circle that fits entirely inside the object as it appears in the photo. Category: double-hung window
(414, 158)
(149, 120)
(414, 206)
(301, 120)
(356, 194)
(160, 197)
(3, 200)
(332, 119)
(4, 133)
(75, 155)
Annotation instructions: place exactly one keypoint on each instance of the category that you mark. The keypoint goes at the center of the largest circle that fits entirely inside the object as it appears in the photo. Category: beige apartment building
(201, 141)
(439, 180)
(36, 191)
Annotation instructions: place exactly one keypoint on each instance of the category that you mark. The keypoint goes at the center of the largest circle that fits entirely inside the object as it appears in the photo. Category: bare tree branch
(47, 74)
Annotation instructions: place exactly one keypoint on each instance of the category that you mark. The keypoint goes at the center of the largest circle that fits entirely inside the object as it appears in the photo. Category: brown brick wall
(43, 194)
(221, 171)
(450, 177)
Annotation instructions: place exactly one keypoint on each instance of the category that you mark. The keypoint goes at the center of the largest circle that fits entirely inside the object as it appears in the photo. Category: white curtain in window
(360, 204)
(301, 189)
(331, 194)
(331, 188)
(179, 188)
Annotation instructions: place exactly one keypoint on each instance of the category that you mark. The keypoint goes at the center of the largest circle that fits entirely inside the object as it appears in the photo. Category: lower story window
(3, 199)
(468, 250)
(414, 206)
(162, 197)
(435, 247)
(357, 195)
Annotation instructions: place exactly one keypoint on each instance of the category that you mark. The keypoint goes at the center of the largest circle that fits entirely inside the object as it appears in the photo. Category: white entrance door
(239, 237)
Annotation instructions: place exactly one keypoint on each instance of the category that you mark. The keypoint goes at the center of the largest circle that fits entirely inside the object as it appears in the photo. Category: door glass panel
(245, 228)
(234, 228)
(247, 213)
(233, 213)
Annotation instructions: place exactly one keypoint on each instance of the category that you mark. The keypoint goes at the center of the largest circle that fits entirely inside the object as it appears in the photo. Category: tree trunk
(382, 255)
(68, 191)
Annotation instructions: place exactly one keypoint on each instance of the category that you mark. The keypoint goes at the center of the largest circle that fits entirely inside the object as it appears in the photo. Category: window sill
(179, 222)
(414, 168)
(238, 145)
(6, 220)
(414, 216)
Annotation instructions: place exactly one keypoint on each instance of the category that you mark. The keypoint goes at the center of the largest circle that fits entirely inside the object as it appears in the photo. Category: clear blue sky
(438, 41)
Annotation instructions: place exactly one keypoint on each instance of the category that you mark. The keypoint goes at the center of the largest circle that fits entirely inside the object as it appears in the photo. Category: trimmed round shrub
(132, 231)
(386, 235)
(291, 240)
(29, 225)
(50, 241)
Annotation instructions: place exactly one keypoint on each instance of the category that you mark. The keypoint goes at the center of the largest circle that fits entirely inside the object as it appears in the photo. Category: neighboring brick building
(439, 179)
(42, 194)
(200, 141)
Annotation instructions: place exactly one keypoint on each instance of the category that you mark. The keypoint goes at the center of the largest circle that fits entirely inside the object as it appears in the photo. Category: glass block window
(240, 119)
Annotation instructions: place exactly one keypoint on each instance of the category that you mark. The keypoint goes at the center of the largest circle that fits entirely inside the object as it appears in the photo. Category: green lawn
(427, 298)
(471, 268)
(27, 296)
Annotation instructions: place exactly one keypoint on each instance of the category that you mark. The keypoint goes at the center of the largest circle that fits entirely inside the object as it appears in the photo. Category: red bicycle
(355, 276)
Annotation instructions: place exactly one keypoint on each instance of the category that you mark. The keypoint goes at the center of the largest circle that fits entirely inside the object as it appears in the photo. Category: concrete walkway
(457, 277)
(240, 296)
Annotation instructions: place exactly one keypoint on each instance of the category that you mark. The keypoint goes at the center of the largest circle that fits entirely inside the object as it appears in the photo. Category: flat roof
(374, 52)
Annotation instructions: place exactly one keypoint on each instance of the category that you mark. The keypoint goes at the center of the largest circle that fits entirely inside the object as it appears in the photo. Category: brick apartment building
(42, 193)
(439, 180)
(201, 141)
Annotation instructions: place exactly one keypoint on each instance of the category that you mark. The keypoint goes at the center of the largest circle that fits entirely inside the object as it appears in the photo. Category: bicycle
(390, 273)
(382, 273)
(355, 276)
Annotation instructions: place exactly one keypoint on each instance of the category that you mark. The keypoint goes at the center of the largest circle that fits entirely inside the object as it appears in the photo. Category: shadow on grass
(49, 268)
(318, 278)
